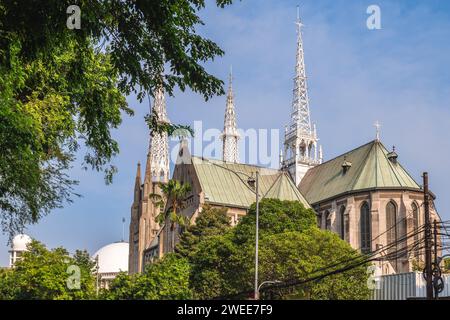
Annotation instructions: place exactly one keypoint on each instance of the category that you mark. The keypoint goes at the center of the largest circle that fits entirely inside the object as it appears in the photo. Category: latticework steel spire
(230, 135)
(300, 141)
(157, 168)
(300, 105)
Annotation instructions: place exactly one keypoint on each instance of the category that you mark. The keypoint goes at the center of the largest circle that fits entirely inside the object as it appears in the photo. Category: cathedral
(143, 223)
(364, 195)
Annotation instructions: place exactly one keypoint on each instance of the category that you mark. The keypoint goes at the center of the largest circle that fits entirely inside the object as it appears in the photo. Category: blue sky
(399, 75)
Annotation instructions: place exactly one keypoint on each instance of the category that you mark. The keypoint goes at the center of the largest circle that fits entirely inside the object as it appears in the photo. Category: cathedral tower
(230, 136)
(301, 150)
(143, 224)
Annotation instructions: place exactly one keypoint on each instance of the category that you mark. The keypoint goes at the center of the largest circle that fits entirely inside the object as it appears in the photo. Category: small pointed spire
(138, 173)
(137, 184)
(230, 95)
(298, 22)
(230, 86)
(281, 157)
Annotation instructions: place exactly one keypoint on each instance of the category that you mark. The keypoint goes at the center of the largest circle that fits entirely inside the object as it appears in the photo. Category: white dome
(20, 242)
(113, 257)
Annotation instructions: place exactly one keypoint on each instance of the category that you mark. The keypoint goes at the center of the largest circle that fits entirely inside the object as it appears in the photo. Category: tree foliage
(173, 201)
(212, 260)
(211, 222)
(291, 248)
(46, 108)
(167, 279)
(62, 90)
(44, 274)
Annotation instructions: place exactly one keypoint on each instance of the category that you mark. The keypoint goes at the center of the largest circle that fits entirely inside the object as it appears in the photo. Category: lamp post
(254, 183)
(266, 282)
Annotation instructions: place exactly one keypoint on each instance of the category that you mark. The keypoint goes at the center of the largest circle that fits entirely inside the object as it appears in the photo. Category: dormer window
(346, 166)
(392, 156)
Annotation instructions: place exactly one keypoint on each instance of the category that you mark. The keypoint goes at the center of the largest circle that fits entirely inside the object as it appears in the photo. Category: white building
(111, 259)
(18, 246)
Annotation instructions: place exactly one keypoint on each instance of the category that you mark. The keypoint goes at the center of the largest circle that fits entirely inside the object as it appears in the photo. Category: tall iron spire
(143, 224)
(157, 167)
(230, 135)
(300, 105)
(300, 144)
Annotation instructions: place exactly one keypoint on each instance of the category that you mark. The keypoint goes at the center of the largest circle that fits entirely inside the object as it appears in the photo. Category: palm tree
(174, 193)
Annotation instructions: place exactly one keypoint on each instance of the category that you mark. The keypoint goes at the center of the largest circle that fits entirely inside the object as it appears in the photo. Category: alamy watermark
(374, 20)
(74, 19)
(256, 146)
(73, 281)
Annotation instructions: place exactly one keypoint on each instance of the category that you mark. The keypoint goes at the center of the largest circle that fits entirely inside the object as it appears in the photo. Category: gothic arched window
(415, 216)
(342, 222)
(302, 148)
(365, 228)
(392, 232)
(327, 220)
(391, 226)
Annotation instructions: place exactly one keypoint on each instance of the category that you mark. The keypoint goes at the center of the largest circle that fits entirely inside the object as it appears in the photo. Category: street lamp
(264, 283)
(254, 183)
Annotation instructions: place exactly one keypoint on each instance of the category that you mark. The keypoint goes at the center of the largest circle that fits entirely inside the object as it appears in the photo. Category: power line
(291, 283)
(363, 260)
(376, 252)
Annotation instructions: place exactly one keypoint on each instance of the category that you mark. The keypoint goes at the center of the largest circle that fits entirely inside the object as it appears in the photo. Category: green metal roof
(225, 183)
(370, 169)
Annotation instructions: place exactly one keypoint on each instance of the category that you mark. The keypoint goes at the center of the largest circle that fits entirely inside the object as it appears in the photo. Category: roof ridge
(301, 196)
(400, 165)
(391, 165)
(234, 163)
(408, 174)
(363, 163)
(273, 184)
(377, 165)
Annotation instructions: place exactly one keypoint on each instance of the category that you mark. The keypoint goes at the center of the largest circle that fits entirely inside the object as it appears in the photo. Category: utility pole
(257, 237)
(436, 262)
(428, 267)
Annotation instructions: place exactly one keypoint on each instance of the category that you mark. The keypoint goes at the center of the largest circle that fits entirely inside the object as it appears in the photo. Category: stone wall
(330, 217)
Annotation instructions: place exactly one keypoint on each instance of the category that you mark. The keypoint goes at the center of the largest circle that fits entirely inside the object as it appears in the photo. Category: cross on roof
(377, 127)
(298, 22)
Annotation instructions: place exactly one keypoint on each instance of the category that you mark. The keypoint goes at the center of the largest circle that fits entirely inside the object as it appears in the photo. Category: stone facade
(216, 183)
(143, 223)
(195, 200)
(342, 215)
